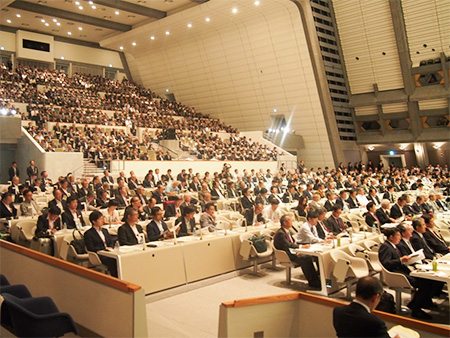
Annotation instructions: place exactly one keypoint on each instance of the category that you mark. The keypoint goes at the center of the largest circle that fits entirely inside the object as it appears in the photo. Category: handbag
(259, 242)
(78, 243)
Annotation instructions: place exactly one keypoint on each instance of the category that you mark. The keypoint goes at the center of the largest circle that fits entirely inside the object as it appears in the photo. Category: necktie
(288, 235)
(324, 228)
(375, 216)
(341, 225)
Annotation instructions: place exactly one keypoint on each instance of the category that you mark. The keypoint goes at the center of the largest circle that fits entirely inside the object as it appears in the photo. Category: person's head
(321, 213)
(136, 202)
(361, 191)
(274, 204)
(405, 231)
(343, 194)
(371, 207)
(419, 225)
(160, 188)
(131, 216)
(393, 235)
(336, 210)
(330, 195)
(7, 198)
(189, 212)
(369, 291)
(432, 197)
(429, 220)
(246, 192)
(385, 204)
(14, 164)
(157, 214)
(372, 192)
(151, 202)
(312, 217)
(207, 197)
(177, 201)
(15, 180)
(72, 203)
(353, 193)
(259, 208)
(401, 201)
(97, 219)
(123, 191)
(210, 208)
(316, 197)
(32, 163)
(263, 191)
(27, 195)
(286, 221)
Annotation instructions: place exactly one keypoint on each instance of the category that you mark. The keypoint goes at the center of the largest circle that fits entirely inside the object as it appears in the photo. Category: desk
(326, 264)
(441, 275)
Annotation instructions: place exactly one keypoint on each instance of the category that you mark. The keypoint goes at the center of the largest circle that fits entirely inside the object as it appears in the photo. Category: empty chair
(348, 269)
(284, 260)
(37, 317)
(371, 245)
(249, 252)
(370, 256)
(397, 282)
(22, 232)
(69, 253)
(96, 263)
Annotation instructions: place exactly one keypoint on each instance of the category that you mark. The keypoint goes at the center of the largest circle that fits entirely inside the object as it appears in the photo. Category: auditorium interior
(231, 168)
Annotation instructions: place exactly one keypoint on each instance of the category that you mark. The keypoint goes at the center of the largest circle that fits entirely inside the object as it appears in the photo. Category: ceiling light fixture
(152, 38)
(257, 3)
(189, 25)
(80, 7)
(167, 32)
(121, 47)
(133, 43)
(54, 20)
(62, 57)
(207, 19)
(2, 48)
(42, 20)
(77, 3)
(80, 28)
(234, 10)
(94, 7)
(47, 24)
(8, 21)
(18, 15)
(116, 12)
(58, 24)
(70, 33)
(371, 148)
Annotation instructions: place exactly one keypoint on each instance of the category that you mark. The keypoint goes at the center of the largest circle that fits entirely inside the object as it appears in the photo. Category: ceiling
(88, 21)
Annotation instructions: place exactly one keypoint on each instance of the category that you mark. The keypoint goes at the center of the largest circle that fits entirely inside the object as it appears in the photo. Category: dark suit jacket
(170, 210)
(250, 214)
(396, 212)
(436, 242)
(126, 235)
(352, 203)
(320, 232)
(195, 187)
(375, 199)
(419, 243)
(246, 202)
(418, 208)
(68, 219)
(101, 203)
(390, 259)
(94, 242)
(107, 179)
(153, 232)
(281, 242)
(333, 225)
(11, 173)
(340, 202)
(353, 320)
(370, 220)
(328, 206)
(32, 171)
(408, 210)
(4, 212)
(121, 201)
(157, 196)
(387, 195)
(52, 203)
(287, 198)
(17, 197)
(42, 225)
(132, 185)
(215, 194)
(404, 248)
(382, 216)
(183, 226)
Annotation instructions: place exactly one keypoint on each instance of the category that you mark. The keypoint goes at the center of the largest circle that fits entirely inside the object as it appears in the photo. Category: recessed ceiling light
(116, 12)
(47, 24)
(94, 7)
(167, 32)
(18, 15)
(167, 90)
(62, 57)
(90, 2)
(8, 21)
(58, 24)
(234, 10)
(121, 47)
(189, 25)
(54, 20)
(42, 20)
(133, 43)
(207, 19)
(256, 3)
(2, 48)
(80, 7)
(80, 28)
(70, 33)
(152, 38)
(77, 3)
(110, 65)
(274, 110)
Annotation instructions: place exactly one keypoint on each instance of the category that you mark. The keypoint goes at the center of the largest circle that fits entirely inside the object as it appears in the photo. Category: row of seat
(27, 316)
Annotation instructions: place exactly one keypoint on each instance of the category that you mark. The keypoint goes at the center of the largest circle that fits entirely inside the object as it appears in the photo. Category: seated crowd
(83, 99)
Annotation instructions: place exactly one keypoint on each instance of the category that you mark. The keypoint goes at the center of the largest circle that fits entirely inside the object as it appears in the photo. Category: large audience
(85, 99)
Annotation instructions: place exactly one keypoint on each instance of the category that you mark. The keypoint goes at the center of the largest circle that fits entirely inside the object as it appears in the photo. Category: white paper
(403, 332)
(417, 256)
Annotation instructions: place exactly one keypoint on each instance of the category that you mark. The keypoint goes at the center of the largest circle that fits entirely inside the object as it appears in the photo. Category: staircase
(90, 169)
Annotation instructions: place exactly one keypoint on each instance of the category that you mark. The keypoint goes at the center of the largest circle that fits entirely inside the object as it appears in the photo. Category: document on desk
(403, 332)
(417, 256)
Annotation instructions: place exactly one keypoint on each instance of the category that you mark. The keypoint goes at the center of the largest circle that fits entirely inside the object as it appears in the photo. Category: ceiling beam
(59, 13)
(5, 3)
(132, 8)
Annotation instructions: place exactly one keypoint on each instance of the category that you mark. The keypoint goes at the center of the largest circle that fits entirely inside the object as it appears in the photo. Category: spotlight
(391, 152)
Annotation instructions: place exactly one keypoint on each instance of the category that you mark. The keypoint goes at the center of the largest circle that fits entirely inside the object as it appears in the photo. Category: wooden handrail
(407, 322)
(73, 268)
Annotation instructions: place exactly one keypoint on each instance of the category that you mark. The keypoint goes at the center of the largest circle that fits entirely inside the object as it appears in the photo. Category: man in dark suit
(15, 190)
(246, 199)
(334, 223)
(159, 194)
(330, 202)
(372, 196)
(71, 216)
(417, 206)
(397, 208)
(107, 178)
(341, 200)
(13, 171)
(32, 170)
(130, 233)
(254, 216)
(195, 185)
(371, 215)
(433, 238)
(58, 200)
(48, 222)
(157, 228)
(173, 209)
(389, 194)
(383, 213)
(97, 239)
(284, 241)
(391, 260)
(418, 241)
(7, 209)
(404, 246)
(186, 222)
(356, 319)
(122, 198)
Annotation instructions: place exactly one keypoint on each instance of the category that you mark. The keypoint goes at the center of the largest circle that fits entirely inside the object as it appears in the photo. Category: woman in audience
(111, 214)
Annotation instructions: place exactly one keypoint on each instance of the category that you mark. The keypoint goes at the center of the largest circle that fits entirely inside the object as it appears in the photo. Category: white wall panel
(427, 27)
(366, 32)
(433, 104)
(367, 110)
